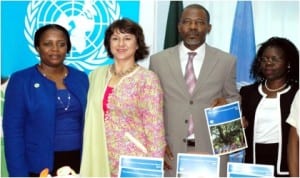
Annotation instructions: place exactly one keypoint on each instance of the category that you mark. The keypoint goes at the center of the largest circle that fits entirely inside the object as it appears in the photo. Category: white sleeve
(293, 118)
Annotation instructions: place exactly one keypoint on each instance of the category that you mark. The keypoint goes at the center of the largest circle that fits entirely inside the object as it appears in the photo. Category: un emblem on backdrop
(86, 22)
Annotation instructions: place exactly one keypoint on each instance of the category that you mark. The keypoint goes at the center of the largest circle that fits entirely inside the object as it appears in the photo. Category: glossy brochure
(133, 166)
(197, 165)
(249, 170)
(225, 128)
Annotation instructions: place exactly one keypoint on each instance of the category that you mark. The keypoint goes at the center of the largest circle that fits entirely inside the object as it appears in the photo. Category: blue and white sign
(197, 165)
(135, 166)
(249, 170)
(86, 22)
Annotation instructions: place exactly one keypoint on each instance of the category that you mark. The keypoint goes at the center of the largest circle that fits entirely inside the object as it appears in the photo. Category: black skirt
(268, 154)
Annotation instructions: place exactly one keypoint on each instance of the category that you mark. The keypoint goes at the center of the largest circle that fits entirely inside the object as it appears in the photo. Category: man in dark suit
(215, 85)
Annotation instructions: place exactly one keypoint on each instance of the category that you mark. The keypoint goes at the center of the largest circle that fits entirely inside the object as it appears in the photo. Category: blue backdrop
(243, 42)
(85, 20)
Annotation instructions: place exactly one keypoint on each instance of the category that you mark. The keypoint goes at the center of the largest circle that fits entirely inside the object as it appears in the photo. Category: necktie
(190, 79)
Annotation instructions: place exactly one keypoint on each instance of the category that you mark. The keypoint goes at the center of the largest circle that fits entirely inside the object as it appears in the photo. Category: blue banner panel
(86, 22)
(243, 42)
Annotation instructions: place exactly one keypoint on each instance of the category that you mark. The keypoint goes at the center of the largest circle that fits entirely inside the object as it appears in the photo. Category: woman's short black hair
(38, 34)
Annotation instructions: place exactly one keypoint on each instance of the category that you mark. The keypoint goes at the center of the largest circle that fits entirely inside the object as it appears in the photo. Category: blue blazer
(29, 118)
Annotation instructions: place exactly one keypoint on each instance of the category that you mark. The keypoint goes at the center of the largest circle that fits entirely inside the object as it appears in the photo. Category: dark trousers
(64, 158)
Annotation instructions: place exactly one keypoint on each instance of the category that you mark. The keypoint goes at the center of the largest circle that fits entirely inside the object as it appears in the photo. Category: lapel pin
(36, 85)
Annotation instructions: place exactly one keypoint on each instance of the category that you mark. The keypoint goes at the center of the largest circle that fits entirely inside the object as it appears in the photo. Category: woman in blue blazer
(44, 109)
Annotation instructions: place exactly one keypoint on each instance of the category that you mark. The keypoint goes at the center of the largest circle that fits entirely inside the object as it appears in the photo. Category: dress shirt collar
(200, 50)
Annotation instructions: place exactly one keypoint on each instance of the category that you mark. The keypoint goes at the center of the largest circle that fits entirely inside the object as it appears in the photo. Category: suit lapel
(207, 66)
(175, 69)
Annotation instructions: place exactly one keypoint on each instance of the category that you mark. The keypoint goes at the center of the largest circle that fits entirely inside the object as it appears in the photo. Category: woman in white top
(266, 103)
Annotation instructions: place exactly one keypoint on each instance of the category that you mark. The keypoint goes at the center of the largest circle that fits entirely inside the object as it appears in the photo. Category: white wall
(148, 22)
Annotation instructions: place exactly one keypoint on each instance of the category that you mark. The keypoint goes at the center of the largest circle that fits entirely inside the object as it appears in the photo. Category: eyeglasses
(272, 59)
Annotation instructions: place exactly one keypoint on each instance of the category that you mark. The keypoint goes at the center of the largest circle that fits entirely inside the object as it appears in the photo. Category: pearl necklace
(122, 74)
(68, 103)
(274, 90)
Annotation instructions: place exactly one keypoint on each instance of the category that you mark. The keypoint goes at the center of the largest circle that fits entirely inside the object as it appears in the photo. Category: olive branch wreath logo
(96, 58)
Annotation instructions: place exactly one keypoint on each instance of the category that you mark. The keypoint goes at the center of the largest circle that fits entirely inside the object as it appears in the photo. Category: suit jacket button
(186, 121)
(191, 102)
(184, 140)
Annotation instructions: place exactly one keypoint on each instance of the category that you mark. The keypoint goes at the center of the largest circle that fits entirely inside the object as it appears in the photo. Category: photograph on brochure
(225, 128)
